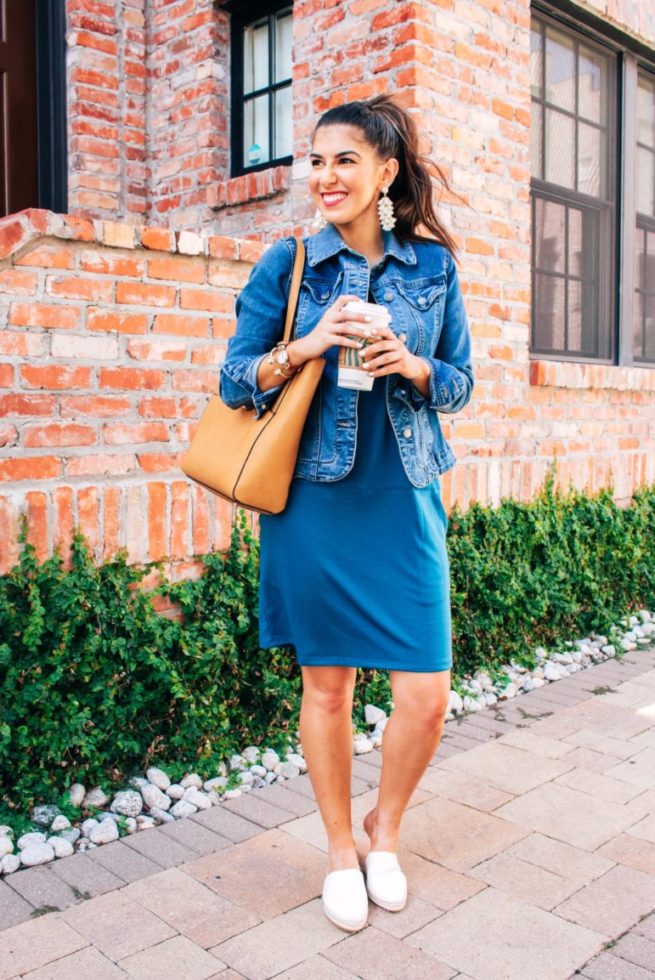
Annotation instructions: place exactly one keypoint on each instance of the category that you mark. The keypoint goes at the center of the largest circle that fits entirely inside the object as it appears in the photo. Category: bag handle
(294, 292)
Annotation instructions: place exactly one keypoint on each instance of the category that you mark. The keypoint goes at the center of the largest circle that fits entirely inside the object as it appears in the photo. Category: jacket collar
(328, 241)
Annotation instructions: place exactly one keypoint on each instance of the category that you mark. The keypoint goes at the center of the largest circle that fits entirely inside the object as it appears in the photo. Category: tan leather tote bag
(250, 460)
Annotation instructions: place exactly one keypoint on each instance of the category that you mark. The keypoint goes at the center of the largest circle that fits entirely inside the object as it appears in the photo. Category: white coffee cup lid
(372, 309)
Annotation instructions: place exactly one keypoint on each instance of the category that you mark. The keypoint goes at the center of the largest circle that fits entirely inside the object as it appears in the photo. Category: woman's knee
(424, 699)
(328, 688)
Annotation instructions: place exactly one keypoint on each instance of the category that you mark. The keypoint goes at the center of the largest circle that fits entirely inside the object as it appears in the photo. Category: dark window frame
(631, 55)
(642, 223)
(52, 104)
(604, 208)
(242, 15)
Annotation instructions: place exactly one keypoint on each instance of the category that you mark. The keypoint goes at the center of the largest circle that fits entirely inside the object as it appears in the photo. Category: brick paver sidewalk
(529, 848)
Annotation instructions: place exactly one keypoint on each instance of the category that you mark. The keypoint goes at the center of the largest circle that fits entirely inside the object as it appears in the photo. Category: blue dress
(355, 572)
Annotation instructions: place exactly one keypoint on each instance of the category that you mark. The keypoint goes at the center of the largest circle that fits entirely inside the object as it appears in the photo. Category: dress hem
(348, 663)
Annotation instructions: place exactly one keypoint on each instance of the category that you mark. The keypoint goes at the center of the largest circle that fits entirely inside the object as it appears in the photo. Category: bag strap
(294, 291)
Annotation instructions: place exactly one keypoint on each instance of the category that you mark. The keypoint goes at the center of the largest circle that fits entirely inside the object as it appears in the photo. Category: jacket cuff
(446, 386)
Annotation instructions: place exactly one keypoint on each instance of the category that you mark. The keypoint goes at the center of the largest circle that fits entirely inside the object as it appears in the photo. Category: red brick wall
(106, 69)
(111, 337)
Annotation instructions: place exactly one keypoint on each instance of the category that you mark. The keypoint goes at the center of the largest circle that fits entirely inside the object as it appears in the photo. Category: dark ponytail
(390, 129)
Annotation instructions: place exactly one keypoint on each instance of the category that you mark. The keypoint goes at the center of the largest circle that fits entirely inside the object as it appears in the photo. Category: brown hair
(390, 130)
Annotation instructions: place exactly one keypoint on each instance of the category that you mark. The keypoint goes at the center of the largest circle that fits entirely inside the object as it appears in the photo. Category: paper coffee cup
(351, 374)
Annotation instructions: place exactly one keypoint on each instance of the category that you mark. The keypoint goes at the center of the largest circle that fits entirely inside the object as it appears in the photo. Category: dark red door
(19, 149)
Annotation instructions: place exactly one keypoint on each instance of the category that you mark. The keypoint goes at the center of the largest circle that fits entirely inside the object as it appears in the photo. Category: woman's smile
(331, 198)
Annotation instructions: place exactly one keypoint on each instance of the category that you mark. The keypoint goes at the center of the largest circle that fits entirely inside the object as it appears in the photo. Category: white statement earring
(319, 221)
(385, 211)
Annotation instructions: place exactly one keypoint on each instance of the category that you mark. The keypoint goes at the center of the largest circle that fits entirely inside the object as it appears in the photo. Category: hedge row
(95, 684)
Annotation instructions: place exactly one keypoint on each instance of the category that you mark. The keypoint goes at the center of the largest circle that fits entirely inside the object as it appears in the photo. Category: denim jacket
(419, 285)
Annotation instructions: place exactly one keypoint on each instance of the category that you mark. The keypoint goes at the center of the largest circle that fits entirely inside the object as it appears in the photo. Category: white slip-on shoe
(386, 884)
(345, 901)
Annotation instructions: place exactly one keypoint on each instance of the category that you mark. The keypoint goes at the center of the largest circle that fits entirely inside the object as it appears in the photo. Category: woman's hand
(389, 355)
(333, 328)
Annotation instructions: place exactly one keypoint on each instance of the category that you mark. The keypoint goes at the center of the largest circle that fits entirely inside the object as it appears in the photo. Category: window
(261, 85)
(573, 194)
(644, 300)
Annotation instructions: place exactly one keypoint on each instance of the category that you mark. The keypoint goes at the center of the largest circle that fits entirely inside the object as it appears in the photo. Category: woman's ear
(391, 171)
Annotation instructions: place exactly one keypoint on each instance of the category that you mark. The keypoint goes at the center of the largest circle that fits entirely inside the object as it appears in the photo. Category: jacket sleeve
(261, 309)
(451, 369)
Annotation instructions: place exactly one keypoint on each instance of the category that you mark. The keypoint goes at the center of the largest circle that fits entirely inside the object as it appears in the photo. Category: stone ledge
(566, 374)
(20, 229)
(257, 186)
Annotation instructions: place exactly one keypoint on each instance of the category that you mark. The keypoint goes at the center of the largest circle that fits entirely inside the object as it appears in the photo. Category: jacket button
(325, 294)
(402, 337)
(403, 392)
(388, 297)
(407, 432)
(422, 300)
(264, 405)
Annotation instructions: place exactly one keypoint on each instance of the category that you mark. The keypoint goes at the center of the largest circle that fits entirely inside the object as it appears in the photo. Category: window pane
(639, 258)
(283, 123)
(535, 140)
(255, 131)
(638, 324)
(255, 56)
(549, 237)
(649, 326)
(536, 61)
(575, 315)
(283, 48)
(590, 160)
(575, 242)
(560, 70)
(549, 311)
(646, 111)
(590, 84)
(645, 181)
(560, 148)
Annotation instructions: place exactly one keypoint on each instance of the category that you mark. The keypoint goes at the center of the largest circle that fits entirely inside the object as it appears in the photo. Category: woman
(354, 572)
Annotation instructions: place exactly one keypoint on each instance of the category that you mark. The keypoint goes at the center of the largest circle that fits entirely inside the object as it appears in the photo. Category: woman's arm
(261, 309)
(449, 385)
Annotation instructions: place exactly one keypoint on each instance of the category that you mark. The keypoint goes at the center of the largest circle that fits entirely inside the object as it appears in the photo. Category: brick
(22, 344)
(99, 261)
(19, 404)
(55, 377)
(128, 379)
(45, 315)
(95, 406)
(186, 326)
(157, 538)
(182, 269)
(74, 287)
(100, 464)
(164, 408)
(30, 468)
(58, 434)
(126, 434)
(100, 319)
(157, 350)
(16, 281)
(206, 299)
(158, 239)
(36, 506)
(76, 347)
(145, 294)
(48, 257)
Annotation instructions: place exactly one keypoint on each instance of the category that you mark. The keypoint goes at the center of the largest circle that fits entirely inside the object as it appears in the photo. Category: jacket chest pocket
(424, 303)
(316, 295)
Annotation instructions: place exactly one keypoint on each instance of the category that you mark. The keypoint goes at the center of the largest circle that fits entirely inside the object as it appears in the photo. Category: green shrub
(95, 685)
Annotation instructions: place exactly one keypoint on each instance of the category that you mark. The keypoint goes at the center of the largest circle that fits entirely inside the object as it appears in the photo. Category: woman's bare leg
(326, 735)
(410, 740)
